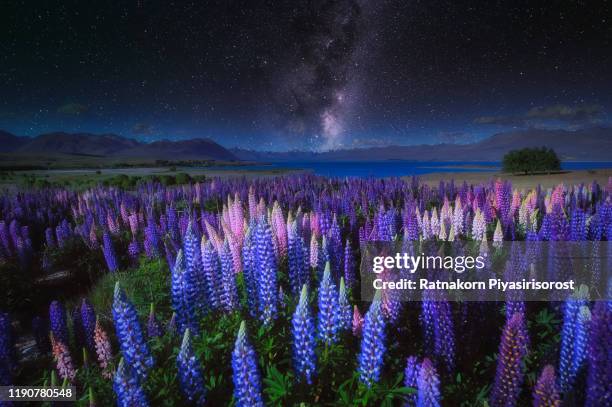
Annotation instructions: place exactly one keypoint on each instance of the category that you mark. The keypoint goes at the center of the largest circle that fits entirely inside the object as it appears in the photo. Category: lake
(395, 168)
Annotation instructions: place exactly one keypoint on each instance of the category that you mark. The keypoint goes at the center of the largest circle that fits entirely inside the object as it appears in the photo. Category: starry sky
(318, 74)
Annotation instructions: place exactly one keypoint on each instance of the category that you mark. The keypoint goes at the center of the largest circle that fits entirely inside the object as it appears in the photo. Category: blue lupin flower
(178, 293)
(212, 273)
(328, 318)
(411, 374)
(153, 327)
(229, 293)
(581, 336)
(571, 310)
(298, 259)
(265, 271)
(428, 385)
(57, 318)
(248, 270)
(247, 381)
(109, 253)
(129, 334)
(344, 307)
(195, 282)
(190, 373)
(370, 359)
(303, 338)
(88, 322)
(127, 388)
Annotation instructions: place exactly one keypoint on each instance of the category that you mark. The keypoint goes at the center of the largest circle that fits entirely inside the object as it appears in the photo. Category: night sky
(273, 75)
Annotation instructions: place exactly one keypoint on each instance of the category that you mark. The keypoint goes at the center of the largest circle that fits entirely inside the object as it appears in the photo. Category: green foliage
(146, 284)
(531, 161)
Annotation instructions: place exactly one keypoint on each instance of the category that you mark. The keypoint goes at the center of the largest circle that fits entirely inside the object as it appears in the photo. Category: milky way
(318, 83)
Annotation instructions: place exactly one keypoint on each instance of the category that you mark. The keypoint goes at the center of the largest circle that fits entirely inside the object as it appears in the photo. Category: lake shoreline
(569, 177)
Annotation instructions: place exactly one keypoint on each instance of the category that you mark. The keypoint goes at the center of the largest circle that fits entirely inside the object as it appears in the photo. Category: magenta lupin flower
(357, 322)
(546, 392)
(512, 351)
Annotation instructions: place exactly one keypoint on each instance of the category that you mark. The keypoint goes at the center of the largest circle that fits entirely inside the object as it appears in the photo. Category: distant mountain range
(112, 145)
(593, 144)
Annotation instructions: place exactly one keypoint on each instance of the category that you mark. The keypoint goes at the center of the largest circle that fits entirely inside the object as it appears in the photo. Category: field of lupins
(247, 292)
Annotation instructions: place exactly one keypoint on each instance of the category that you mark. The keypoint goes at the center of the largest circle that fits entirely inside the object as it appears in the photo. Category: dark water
(396, 168)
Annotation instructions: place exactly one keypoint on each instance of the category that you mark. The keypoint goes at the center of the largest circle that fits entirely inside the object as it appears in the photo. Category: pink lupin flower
(478, 226)
(214, 237)
(103, 350)
(498, 236)
(516, 202)
(445, 212)
(458, 217)
(435, 222)
(112, 225)
(314, 251)
(63, 360)
(425, 226)
(93, 238)
(279, 228)
(357, 322)
(133, 221)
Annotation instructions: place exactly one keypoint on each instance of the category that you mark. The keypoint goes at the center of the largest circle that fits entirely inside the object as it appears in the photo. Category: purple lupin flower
(509, 374)
(57, 318)
(411, 375)
(129, 334)
(88, 322)
(154, 329)
(370, 359)
(190, 373)
(265, 271)
(599, 387)
(109, 253)
(349, 265)
(546, 393)
(428, 385)
(247, 381)
(345, 313)
(304, 358)
(133, 250)
(328, 318)
(128, 390)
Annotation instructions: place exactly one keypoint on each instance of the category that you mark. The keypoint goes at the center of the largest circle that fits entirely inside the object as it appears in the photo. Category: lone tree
(531, 160)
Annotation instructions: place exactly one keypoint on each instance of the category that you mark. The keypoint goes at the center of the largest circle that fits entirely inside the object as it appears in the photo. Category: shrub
(531, 160)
